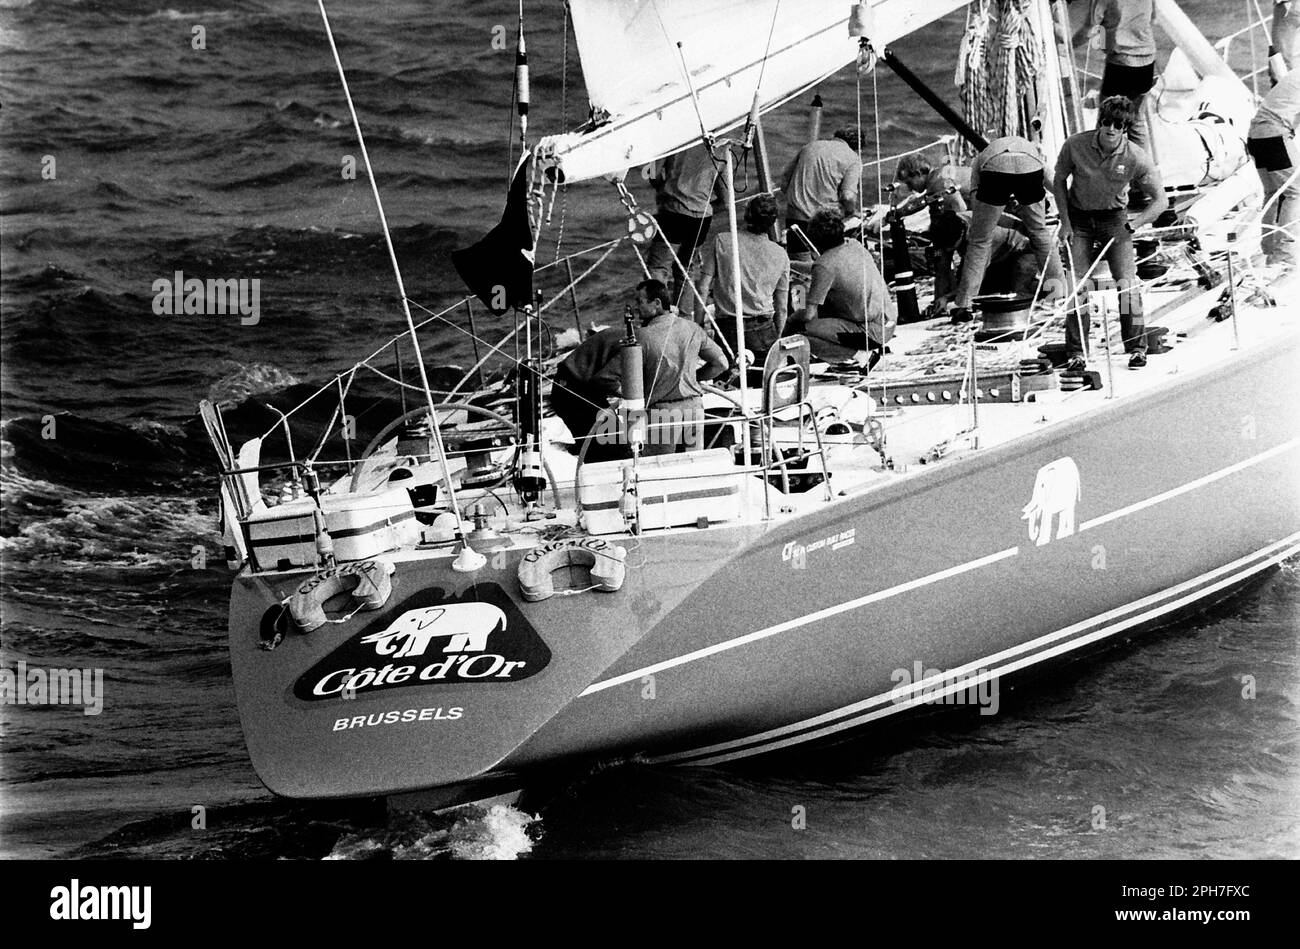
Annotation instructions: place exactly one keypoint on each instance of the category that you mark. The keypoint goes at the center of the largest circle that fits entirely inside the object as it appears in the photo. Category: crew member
(1010, 174)
(685, 188)
(1008, 264)
(1093, 175)
(585, 382)
(823, 176)
(918, 184)
(849, 315)
(672, 348)
(1130, 69)
(1271, 141)
(764, 280)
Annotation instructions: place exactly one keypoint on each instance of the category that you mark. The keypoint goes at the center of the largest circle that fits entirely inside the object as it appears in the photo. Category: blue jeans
(1092, 229)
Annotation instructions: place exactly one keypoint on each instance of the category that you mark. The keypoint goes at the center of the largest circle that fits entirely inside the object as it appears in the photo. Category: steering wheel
(424, 411)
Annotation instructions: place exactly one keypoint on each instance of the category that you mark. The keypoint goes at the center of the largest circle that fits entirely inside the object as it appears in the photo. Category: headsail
(640, 97)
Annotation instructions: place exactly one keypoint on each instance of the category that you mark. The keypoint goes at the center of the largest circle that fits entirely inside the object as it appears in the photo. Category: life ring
(605, 560)
(370, 583)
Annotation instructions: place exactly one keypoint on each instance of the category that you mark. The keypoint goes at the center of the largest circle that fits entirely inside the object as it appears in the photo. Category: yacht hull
(737, 640)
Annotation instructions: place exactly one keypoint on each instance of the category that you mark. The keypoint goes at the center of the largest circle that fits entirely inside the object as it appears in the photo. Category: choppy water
(226, 162)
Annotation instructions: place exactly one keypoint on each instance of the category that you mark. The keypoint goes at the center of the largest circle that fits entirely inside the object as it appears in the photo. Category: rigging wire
(563, 187)
(397, 273)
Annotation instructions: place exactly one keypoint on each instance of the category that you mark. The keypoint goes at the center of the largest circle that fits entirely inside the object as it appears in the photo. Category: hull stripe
(1191, 485)
(926, 580)
(978, 671)
(802, 620)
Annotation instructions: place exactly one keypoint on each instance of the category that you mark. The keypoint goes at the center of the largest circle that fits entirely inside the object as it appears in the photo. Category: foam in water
(499, 832)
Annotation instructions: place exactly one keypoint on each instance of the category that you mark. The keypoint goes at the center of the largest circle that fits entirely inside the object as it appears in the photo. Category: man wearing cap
(823, 176)
(1271, 142)
(1093, 175)
(764, 280)
(1010, 174)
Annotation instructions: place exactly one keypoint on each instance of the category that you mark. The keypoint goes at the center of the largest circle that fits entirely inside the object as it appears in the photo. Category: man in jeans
(1009, 174)
(1093, 175)
(823, 176)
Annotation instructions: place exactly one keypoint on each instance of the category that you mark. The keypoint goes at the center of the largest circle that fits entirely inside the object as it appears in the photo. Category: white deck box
(360, 525)
(675, 491)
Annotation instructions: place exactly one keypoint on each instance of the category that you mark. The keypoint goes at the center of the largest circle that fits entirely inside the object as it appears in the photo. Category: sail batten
(641, 100)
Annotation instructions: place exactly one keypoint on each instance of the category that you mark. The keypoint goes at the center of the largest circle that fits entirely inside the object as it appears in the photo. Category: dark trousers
(685, 234)
(760, 334)
(1092, 229)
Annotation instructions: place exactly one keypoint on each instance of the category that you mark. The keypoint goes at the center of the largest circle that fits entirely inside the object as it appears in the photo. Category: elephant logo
(466, 626)
(1056, 491)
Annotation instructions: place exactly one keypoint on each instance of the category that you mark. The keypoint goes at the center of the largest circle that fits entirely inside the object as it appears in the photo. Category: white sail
(634, 69)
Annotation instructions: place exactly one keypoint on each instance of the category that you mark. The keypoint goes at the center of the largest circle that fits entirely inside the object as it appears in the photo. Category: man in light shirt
(1093, 175)
(1271, 142)
(764, 280)
(1130, 69)
(823, 176)
(849, 315)
(685, 188)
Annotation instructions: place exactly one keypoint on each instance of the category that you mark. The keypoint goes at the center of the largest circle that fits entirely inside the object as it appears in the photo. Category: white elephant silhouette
(466, 625)
(1056, 491)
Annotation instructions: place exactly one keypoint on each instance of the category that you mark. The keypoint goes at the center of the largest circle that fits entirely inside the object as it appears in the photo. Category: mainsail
(641, 101)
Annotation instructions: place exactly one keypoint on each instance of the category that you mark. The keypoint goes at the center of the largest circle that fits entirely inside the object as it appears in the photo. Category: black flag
(499, 268)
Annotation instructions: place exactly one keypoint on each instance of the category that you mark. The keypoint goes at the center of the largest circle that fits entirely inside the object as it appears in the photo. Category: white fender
(369, 582)
(607, 563)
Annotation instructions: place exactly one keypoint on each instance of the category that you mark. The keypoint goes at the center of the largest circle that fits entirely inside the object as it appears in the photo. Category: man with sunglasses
(1093, 176)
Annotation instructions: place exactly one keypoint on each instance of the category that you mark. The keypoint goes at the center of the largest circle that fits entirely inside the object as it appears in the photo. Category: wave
(43, 522)
(243, 382)
(73, 451)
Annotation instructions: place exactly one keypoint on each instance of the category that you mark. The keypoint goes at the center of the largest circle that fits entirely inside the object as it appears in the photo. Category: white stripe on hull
(929, 578)
(980, 671)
